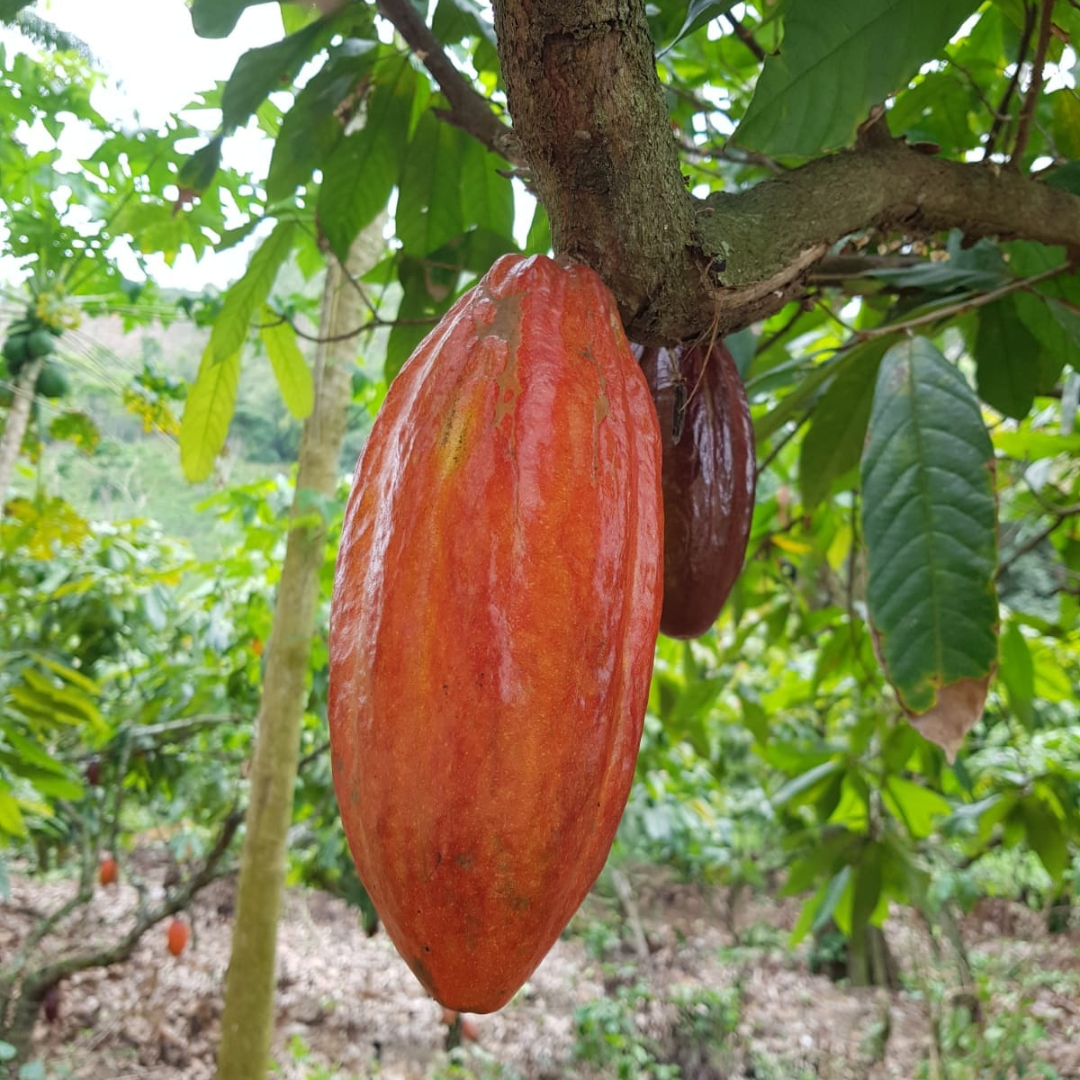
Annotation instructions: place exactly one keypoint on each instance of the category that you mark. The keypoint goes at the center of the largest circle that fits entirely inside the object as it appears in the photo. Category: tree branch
(744, 35)
(469, 110)
(173, 902)
(590, 113)
(1001, 114)
(1027, 110)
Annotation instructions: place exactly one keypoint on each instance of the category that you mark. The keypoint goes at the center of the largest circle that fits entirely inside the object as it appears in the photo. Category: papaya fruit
(53, 382)
(40, 343)
(16, 352)
(709, 480)
(493, 622)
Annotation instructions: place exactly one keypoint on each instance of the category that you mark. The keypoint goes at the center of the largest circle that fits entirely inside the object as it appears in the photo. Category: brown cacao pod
(495, 611)
(709, 478)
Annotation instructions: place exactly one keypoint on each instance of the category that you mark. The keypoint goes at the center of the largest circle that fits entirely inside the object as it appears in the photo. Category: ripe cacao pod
(108, 871)
(494, 616)
(50, 1002)
(709, 479)
(177, 936)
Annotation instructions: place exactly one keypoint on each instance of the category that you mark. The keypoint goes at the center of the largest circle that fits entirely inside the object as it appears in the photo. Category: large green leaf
(929, 522)
(11, 819)
(248, 292)
(1062, 293)
(267, 68)
(429, 199)
(312, 128)
(1046, 835)
(218, 18)
(834, 442)
(1007, 359)
(838, 59)
(290, 368)
(363, 169)
(914, 805)
(427, 294)
(199, 169)
(979, 266)
(1018, 673)
(208, 411)
(698, 13)
(487, 199)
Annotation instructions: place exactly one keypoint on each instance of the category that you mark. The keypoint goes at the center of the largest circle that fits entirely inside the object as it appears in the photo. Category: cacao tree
(856, 195)
(877, 203)
(921, 221)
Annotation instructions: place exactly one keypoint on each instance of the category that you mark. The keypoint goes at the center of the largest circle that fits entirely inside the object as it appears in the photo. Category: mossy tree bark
(248, 1018)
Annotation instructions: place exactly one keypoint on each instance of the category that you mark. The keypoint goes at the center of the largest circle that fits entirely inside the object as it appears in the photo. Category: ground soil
(348, 1007)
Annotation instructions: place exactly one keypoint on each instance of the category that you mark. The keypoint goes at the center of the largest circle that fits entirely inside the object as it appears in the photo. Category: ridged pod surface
(495, 611)
(709, 479)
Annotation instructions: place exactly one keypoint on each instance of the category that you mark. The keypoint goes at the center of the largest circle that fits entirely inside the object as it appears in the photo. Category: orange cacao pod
(495, 611)
(177, 936)
(709, 478)
(108, 871)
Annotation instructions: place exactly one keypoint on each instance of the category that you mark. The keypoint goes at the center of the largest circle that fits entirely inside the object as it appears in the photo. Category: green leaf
(68, 674)
(11, 819)
(1061, 292)
(698, 13)
(457, 19)
(1006, 355)
(833, 444)
(249, 292)
(978, 267)
(429, 198)
(218, 18)
(199, 169)
(838, 59)
(1050, 323)
(867, 889)
(801, 788)
(270, 67)
(78, 427)
(538, 242)
(929, 522)
(913, 805)
(28, 752)
(290, 368)
(362, 170)
(1046, 835)
(429, 290)
(1017, 672)
(296, 16)
(487, 199)
(311, 129)
(1029, 445)
(1065, 126)
(1066, 177)
(208, 411)
(821, 859)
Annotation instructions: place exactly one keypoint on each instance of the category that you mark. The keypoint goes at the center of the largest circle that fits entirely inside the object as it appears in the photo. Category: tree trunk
(15, 429)
(248, 1018)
